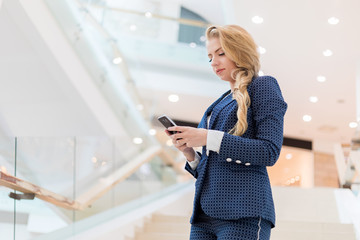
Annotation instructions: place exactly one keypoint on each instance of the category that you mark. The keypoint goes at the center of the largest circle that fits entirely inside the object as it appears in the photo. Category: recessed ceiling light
(148, 14)
(192, 45)
(307, 118)
(94, 159)
(257, 19)
(203, 38)
(333, 20)
(117, 60)
(173, 98)
(327, 53)
(261, 73)
(133, 27)
(321, 79)
(313, 99)
(261, 50)
(138, 140)
(288, 156)
(152, 132)
(353, 125)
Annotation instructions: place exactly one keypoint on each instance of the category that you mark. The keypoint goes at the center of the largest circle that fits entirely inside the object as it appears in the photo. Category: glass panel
(7, 207)
(76, 168)
(143, 187)
(49, 164)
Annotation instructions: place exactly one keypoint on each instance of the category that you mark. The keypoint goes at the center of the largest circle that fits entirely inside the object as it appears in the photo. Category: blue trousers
(208, 228)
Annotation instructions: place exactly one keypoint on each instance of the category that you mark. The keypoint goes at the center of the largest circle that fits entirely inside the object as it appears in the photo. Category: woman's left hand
(191, 137)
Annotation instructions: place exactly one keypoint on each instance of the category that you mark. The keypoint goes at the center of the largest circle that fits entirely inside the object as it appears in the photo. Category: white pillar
(1, 3)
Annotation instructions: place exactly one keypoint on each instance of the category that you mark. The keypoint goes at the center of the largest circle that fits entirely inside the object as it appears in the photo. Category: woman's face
(220, 63)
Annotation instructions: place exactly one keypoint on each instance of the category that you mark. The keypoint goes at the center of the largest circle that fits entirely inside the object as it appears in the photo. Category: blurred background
(83, 82)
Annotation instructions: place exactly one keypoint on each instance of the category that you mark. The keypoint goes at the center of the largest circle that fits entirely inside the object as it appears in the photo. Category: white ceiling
(294, 33)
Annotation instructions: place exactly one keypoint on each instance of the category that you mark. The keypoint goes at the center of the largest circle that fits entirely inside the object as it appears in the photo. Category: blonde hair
(239, 47)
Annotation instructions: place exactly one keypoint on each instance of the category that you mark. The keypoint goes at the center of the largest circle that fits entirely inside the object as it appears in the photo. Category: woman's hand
(189, 136)
(186, 138)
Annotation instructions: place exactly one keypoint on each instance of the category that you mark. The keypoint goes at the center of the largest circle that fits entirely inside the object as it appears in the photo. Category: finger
(177, 128)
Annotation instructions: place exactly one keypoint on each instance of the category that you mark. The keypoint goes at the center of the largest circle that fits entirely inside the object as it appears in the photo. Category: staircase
(166, 227)
(312, 230)
(316, 214)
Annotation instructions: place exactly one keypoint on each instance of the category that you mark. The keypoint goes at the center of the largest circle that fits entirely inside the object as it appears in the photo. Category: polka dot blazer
(234, 183)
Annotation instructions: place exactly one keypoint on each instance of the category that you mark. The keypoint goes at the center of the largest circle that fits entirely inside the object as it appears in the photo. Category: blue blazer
(234, 183)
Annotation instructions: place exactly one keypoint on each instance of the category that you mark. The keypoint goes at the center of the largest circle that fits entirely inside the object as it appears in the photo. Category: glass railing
(98, 173)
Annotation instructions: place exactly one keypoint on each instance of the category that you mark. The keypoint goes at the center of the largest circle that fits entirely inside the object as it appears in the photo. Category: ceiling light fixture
(148, 14)
(138, 140)
(288, 156)
(353, 125)
(261, 73)
(261, 50)
(327, 53)
(117, 60)
(257, 20)
(333, 20)
(192, 45)
(321, 79)
(152, 132)
(173, 98)
(307, 118)
(133, 27)
(313, 99)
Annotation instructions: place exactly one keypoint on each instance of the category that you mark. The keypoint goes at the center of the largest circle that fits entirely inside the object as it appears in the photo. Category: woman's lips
(218, 71)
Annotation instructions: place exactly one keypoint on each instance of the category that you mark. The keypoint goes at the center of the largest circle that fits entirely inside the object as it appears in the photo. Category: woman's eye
(221, 54)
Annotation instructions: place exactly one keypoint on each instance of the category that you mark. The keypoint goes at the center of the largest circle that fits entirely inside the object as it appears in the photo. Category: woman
(241, 134)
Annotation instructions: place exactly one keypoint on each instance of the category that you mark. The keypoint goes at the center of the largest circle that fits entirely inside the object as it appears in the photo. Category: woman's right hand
(188, 152)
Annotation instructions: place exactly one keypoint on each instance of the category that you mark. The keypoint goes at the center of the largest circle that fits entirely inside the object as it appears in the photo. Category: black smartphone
(167, 122)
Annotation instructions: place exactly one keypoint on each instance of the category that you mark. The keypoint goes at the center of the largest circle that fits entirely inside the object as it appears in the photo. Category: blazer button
(238, 161)
(229, 160)
(247, 164)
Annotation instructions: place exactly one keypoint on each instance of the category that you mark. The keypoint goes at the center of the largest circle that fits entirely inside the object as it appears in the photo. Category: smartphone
(167, 122)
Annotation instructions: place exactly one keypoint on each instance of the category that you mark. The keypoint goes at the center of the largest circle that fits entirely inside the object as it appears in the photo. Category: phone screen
(167, 122)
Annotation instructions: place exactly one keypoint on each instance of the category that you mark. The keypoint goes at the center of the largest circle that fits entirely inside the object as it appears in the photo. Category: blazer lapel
(210, 109)
(217, 109)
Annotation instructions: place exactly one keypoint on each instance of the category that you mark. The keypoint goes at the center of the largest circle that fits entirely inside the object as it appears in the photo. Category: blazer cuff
(213, 142)
(195, 163)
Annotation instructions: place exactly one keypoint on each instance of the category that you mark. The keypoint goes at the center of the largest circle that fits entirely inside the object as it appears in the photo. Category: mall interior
(82, 83)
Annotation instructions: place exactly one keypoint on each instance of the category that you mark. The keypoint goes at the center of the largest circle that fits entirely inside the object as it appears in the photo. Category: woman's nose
(214, 62)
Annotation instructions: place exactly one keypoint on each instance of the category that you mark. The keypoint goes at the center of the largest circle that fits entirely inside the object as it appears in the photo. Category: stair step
(296, 226)
(167, 227)
(301, 235)
(170, 218)
(161, 236)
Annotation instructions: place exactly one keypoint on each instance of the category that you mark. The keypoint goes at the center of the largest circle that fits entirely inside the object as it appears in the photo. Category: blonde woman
(241, 134)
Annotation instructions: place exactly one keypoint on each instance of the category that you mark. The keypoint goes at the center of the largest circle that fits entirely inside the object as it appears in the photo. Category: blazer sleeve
(268, 108)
